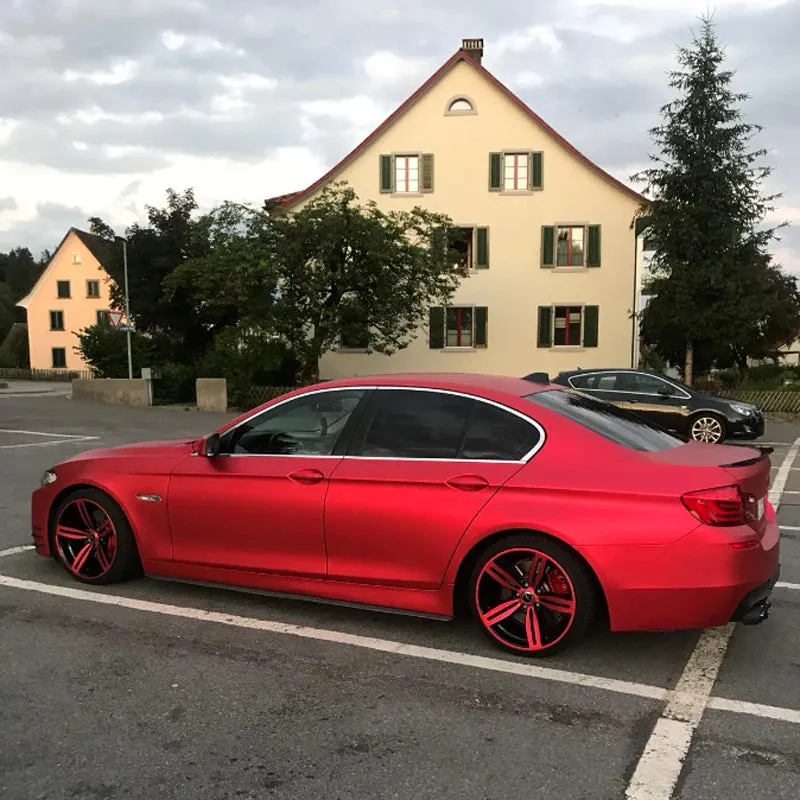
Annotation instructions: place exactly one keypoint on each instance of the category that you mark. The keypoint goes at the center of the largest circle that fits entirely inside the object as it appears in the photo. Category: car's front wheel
(531, 595)
(92, 538)
(708, 428)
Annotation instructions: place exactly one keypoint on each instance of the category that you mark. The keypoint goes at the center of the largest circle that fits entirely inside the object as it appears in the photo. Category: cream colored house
(554, 278)
(71, 294)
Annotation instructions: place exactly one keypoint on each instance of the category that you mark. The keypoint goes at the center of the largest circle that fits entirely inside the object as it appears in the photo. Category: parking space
(155, 689)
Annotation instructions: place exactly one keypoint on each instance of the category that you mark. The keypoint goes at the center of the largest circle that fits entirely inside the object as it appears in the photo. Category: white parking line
(12, 551)
(54, 438)
(784, 585)
(660, 765)
(45, 433)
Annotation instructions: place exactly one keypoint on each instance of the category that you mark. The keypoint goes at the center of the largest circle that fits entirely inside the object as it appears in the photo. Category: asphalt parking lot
(157, 690)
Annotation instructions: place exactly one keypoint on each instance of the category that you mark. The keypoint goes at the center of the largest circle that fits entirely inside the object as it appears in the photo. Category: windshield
(621, 427)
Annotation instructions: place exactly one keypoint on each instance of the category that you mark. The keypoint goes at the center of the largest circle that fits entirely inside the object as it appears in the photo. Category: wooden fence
(55, 375)
(785, 401)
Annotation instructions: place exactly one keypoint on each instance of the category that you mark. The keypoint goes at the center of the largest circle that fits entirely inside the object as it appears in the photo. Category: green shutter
(535, 171)
(426, 182)
(436, 327)
(482, 254)
(548, 245)
(495, 172)
(545, 337)
(591, 319)
(481, 322)
(593, 246)
(387, 174)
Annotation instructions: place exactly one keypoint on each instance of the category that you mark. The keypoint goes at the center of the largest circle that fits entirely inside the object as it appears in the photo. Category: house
(71, 294)
(553, 254)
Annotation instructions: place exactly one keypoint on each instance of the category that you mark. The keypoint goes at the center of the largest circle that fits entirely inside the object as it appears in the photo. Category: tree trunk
(688, 365)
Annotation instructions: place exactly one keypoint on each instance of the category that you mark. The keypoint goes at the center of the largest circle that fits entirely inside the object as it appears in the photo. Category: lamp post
(127, 306)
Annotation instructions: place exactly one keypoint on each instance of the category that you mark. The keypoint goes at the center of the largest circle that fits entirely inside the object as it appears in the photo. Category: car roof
(454, 381)
(582, 370)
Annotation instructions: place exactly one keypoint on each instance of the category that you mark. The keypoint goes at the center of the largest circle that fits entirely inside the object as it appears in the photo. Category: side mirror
(211, 446)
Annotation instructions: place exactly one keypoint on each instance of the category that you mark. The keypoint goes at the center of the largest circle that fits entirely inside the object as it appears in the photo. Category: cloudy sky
(104, 105)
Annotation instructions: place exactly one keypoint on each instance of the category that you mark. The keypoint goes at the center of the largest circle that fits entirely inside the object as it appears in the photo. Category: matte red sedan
(533, 505)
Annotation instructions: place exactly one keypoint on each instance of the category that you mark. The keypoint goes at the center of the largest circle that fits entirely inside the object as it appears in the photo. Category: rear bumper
(709, 578)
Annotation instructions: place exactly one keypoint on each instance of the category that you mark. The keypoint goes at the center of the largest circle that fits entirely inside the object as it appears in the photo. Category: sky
(103, 106)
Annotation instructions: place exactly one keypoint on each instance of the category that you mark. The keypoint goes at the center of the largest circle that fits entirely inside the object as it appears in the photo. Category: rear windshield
(621, 427)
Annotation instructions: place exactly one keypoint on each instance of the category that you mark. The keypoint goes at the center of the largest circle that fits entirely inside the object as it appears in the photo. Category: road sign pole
(127, 305)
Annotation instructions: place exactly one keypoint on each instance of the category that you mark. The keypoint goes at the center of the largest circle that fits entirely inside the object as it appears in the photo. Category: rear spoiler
(765, 451)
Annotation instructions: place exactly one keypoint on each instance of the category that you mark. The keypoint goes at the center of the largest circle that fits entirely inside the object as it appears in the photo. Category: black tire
(583, 593)
(125, 562)
(712, 417)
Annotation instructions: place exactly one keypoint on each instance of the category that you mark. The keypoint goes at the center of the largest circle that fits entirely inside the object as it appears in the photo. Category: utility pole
(127, 305)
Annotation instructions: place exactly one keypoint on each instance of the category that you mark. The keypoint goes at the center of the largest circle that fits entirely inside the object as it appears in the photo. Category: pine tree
(713, 280)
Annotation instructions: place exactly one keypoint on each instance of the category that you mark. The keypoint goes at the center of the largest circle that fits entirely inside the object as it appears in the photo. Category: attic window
(76, 258)
(460, 105)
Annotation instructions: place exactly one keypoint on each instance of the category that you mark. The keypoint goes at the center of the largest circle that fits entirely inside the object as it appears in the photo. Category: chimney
(473, 48)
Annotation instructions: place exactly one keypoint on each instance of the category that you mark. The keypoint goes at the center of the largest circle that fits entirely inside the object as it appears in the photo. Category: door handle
(306, 476)
(468, 483)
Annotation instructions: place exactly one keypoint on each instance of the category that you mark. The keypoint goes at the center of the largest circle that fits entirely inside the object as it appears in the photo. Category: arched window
(460, 105)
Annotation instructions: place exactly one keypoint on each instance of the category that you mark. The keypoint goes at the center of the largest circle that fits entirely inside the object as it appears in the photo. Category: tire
(707, 425)
(93, 540)
(510, 614)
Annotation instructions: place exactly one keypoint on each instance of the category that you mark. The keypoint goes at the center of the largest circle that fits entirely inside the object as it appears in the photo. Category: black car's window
(310, 424)
(416, 424)
(497, 435)
(649, 384)
(599, 380)
(607, 420)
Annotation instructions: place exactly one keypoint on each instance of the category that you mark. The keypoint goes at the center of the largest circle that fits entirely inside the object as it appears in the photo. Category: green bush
(105, 349)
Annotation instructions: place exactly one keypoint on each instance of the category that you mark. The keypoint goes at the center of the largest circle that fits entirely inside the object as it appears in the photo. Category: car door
(420, 468)
(259, 505)
(657, 399)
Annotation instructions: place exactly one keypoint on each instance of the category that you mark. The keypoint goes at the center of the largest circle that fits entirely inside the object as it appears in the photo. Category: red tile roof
(288, 200)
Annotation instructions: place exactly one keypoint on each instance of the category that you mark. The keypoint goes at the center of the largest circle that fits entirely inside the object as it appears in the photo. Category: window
(416, 424)
(461, 105)
(93, 289)
(571, 325)
(406, 173)
(606, 420)
(569, 248)
(498, 435)
(56, 320)
(596, 381)
(76, 258)
(518, 171)
(642, 383)
(103, 318)
(472, 247)
(59, 358)
(308, 425)
(458, 326)
(63, 289)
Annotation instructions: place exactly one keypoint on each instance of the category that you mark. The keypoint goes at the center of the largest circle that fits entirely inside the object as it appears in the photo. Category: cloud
(7, 204)
(253, 99)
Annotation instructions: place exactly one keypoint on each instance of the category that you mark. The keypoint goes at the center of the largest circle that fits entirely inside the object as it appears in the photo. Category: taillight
(721, 506)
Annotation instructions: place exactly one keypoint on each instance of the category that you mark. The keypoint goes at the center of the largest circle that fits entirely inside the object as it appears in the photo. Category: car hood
(165, 448)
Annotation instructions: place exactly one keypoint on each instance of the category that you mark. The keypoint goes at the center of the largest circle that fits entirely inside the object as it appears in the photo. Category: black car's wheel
(93, 540)
(707, 428)
(531, 595)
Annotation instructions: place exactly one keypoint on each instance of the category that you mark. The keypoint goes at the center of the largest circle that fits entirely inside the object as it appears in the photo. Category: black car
(668, 403)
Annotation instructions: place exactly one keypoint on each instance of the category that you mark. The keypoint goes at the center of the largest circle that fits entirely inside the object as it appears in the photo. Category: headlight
(48, 478)
(743, 410)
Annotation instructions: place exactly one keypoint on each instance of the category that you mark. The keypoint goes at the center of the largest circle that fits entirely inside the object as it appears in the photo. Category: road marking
(339, 637)
(755, 709)
(48, 433)
(784, 585)
(789, 527)
(660, 765)
(12, 551)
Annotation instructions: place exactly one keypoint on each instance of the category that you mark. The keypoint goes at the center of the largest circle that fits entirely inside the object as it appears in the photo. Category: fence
(785, 401)
(55, 375)
(252, 396)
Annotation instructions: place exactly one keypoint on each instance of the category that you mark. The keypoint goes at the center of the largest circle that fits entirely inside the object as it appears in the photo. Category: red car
(533, 505)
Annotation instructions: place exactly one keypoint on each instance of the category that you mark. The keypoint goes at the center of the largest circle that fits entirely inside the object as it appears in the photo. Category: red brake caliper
(558, 582)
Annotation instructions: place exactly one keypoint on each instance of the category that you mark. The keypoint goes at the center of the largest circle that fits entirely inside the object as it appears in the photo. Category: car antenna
(537, 377)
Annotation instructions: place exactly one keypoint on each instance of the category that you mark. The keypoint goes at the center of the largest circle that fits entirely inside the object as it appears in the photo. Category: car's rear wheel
(93, 539)
(708, 428)
(531, 595)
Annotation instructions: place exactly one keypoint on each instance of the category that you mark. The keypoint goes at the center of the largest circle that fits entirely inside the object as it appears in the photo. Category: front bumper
(750, 427)
(755, 606)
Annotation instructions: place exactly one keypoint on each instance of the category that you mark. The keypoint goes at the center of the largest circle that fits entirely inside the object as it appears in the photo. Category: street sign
(115, 317)
(127, 328)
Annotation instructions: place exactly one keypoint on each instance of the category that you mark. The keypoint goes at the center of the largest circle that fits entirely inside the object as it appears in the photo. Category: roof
(460, 56)
(443, 380)
(99, 247)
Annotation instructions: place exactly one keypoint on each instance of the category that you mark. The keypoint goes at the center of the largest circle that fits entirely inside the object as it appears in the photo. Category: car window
(310, 424)
(497, 435)
(416, 424)
(607, 420)
(603, 380)
(649, 384)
